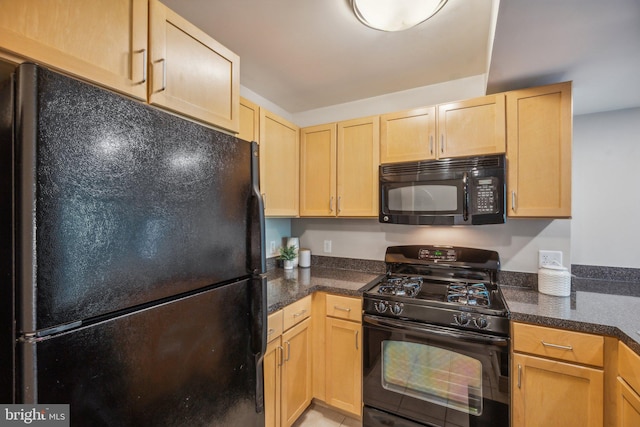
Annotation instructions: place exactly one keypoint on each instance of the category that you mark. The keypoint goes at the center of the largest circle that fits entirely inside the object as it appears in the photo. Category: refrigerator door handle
(256, 258)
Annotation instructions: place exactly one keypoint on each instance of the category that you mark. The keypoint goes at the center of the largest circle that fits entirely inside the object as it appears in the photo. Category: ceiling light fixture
(395, 15)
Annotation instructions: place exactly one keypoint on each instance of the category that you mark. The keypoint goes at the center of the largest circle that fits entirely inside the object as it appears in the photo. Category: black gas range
(436, 340)
(442, 285)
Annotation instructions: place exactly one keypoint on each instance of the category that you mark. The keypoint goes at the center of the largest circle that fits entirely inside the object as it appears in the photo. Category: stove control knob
(481, 322)
(380, 306)
(396, 308)
(461, 319)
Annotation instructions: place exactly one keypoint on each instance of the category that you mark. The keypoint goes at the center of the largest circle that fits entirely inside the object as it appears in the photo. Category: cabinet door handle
(144, 66)
(357, 333)
(300, 313)
(264, 201)
(513, 201)
(281, 351)
(442, 143)
(288, 351)
(560, 347)
(339, 200)
(430, 144)
(164, 74)
(347, 309)
(331, 204)
(519, 376)
(270, 331)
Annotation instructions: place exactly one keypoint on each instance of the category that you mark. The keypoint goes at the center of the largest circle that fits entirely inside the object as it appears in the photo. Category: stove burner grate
(401, 286)
(469, 294)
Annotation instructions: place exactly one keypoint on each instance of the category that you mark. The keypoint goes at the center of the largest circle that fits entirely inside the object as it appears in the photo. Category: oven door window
(433, 374)
(417, 198)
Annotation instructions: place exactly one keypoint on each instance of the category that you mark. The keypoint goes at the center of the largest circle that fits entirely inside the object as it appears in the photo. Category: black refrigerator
(132, 260)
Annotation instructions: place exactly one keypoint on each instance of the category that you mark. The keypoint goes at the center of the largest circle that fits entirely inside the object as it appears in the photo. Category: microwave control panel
(485, 195)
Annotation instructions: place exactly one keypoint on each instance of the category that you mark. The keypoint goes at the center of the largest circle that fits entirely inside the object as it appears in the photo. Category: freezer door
(188, 362)
(120, 204)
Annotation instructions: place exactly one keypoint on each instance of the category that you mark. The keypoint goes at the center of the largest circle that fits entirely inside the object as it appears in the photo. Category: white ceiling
(306, 54)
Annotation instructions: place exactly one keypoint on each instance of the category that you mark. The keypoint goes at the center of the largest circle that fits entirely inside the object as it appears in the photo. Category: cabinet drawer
(274, 325)
(559, 344)
(629, 366)
(344, 307)
(296, 312)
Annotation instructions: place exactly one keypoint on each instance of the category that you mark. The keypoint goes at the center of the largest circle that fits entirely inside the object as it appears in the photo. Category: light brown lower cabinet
(628, 405)
(344, 365)
(552, 393)
(557, 377)
(287, 364)
(628, 387)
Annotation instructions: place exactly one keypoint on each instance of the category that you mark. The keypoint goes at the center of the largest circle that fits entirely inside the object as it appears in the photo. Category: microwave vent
(461, 164)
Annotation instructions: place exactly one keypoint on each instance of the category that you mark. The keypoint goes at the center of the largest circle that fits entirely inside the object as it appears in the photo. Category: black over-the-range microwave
(457, 191)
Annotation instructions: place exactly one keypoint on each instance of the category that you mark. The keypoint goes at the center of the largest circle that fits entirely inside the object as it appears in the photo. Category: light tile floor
(321, 416)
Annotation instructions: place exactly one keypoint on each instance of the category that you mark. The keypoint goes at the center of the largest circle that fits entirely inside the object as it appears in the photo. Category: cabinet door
(358, 160)
(272, 366)
(191, 73)
(279, 165)
(249, 121)
(628, 406)
(408, 135)
(296, 372)
(318, 170)
(552, 393)
(104, 41)
(539, 131)
(344, 365)
(472, 127)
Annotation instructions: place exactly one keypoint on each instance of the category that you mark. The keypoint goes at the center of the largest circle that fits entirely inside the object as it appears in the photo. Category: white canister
(304, 258)
(554, 280)
(294, 241)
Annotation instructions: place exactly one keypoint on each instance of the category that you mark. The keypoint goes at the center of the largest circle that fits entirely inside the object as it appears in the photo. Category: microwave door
(426, 203)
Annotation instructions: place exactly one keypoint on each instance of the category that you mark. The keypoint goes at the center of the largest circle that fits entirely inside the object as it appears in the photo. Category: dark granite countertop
(595, 306)
(285, 287)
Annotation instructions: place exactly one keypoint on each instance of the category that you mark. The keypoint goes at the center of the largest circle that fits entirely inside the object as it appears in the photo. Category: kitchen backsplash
(511, 278)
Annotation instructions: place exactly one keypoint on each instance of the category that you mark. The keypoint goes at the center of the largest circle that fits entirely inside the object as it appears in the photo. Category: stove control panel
(433, 254)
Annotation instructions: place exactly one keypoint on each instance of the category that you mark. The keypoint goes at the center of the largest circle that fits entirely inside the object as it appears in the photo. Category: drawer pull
(270, 331)
(300, 313)
(560, 347)
(347, 309)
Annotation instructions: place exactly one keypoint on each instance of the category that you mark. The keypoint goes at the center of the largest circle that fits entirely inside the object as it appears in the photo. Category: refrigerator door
(120, 204)
(187, 362)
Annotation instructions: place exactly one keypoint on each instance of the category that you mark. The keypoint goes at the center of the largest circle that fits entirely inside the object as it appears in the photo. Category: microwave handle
(465, 197)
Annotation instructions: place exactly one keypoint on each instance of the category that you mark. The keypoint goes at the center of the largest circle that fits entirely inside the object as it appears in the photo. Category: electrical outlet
(272, 247)
(327, 246)
(549, 258)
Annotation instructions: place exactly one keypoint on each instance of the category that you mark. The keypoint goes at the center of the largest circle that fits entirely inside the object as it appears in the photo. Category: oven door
(416, 374)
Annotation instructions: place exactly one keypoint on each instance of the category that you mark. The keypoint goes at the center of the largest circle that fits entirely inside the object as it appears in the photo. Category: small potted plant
(287, 255)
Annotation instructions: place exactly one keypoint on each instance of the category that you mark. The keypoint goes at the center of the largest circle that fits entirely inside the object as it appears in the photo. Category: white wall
(606, 189)
(517, 241)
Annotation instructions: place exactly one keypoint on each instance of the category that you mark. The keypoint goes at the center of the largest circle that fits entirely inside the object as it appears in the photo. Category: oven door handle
(436, 330)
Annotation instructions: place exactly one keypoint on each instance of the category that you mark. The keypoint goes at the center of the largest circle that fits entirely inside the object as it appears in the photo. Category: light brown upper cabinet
(104, 41)
(539, 133)
(190, 72)
(465, 128)
(249, 121)
(339, 169)
(279, 165)
(472, 127)
(408, 135)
